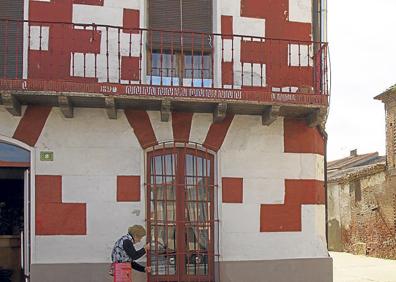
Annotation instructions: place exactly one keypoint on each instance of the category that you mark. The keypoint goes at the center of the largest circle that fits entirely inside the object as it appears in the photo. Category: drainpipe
(325, 186)
(323, 20)
(320, 32)
(324, 135)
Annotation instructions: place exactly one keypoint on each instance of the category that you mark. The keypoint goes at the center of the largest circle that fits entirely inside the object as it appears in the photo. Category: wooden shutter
(11, 38)
(176, 15)
(197, 17)
(164, 15)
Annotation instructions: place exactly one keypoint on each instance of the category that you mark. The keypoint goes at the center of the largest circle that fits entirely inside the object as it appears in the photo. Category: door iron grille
(181, 213)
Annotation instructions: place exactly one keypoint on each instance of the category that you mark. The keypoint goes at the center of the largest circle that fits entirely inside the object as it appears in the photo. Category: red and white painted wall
(272, 176)
(92, 55)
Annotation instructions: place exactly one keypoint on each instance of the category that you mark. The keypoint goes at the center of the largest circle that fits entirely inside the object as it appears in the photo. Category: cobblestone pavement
(351, 268)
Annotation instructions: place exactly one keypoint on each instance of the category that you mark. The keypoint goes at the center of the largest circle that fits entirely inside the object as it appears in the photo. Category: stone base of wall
(76, 272)
(290, 270)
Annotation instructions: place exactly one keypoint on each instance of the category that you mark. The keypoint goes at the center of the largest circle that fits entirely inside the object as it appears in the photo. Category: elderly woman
(124, 250)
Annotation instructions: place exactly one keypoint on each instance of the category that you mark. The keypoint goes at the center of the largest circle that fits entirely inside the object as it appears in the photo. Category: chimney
(353, 153)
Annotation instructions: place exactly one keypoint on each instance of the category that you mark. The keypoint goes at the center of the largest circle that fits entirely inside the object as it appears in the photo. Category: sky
(362, 40)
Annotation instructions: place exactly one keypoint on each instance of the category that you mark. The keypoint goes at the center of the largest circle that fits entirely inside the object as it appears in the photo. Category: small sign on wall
(46, 156)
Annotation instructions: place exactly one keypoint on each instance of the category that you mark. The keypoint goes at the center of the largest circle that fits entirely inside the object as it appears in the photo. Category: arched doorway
(15, 194)
(181, 203)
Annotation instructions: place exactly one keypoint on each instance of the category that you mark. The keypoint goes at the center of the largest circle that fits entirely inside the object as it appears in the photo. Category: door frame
(28, 222)
(195, 149)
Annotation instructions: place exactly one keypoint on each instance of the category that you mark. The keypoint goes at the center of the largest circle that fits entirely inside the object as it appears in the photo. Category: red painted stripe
(181, 124)
(141, 124)
(32, 123)
(217, 133)
(89, 2)
(300, 138)
(227, 73)
(287, 217)
(14, 164)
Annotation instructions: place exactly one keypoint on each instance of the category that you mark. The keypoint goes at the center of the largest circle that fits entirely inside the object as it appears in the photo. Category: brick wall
(365, 215)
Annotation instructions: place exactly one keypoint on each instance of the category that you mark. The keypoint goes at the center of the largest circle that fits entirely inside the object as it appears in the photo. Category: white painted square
(39, 36)
(253, 75)
(229, 50)
(249, 26)
(130, 44)
(300, 11)
(89, 14)
(82, 65)
(300, 55)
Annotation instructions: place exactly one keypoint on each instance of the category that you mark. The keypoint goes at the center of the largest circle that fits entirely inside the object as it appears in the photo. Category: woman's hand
(147, 247)
(147, 269)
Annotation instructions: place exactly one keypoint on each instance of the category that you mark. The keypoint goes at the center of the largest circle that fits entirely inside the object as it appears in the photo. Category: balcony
(79, 65)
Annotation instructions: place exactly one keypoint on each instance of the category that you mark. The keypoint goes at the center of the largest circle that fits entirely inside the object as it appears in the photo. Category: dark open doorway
(11, 223)
(14, 213)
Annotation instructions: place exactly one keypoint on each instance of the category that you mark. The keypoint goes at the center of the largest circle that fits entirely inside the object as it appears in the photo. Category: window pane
(164, 65)
(197, 66)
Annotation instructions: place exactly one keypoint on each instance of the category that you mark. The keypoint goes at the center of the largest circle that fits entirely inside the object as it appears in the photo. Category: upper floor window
(179, 45)
(11, 38)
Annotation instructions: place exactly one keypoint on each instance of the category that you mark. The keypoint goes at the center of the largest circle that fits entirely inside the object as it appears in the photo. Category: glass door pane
(163, 214)
(180, 194)
(197, 214)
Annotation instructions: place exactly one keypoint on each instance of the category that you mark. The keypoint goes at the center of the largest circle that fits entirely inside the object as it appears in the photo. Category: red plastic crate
(122, 272)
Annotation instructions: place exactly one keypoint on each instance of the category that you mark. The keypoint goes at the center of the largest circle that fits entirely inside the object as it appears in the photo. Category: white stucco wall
(90, 150)
(256, 153)
(8, 123)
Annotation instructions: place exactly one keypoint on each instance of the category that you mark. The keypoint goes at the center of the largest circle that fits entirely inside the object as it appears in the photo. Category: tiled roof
(353, 161)
(390, 91)
(354, 166)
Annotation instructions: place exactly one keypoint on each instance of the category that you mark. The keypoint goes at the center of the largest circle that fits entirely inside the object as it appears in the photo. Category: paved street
(351, 268)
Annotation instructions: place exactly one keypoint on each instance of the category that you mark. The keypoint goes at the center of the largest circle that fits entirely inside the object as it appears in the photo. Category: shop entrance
(14, 213)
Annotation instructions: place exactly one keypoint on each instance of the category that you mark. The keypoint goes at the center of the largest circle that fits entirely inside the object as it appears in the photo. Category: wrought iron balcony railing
(66, 57)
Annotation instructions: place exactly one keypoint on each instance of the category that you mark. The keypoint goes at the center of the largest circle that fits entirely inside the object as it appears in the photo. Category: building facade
(201, 120)
(361, 196)
(360, 206)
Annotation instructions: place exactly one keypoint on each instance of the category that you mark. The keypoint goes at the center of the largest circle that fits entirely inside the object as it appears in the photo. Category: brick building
(361, 197)
(202, 120)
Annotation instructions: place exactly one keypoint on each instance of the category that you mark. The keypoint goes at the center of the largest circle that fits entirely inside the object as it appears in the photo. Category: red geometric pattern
(181, 125)
(55, 63)
(128, 188)
(287, 217)
(54, 217)
(227, 71)
(129, 68)
(131, 21)
(217, 133)
(300, 138)
(227, 26)
(232, 190)
(142, 128)
(31, 124)
(89, 2)
(277, 25)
